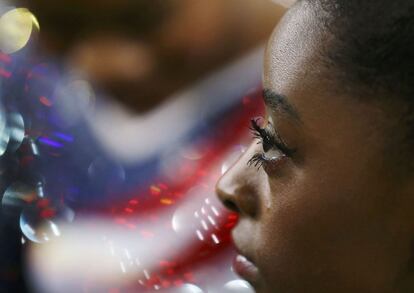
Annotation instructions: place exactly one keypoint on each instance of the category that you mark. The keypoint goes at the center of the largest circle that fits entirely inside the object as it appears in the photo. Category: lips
(246, 269)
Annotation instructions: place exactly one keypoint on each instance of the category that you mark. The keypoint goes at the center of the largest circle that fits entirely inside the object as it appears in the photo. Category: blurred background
(116, 120)
(142, 51)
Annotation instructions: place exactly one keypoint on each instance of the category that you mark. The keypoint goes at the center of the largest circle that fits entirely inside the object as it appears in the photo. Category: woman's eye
(274, 149)
(270, 149)
(272, 154)
(267, 143)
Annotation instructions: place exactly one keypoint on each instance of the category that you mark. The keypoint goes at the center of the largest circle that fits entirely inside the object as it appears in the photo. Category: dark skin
(333, 216)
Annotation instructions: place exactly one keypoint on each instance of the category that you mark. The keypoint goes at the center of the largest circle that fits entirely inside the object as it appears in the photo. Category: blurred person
(141, 52)
(325, 193)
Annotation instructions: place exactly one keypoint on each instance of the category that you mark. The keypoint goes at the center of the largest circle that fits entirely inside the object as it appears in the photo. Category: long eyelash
(257, 161)
(257, 131)
(272, 137)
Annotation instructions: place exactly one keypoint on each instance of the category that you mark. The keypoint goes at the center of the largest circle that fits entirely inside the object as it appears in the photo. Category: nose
(238, 187)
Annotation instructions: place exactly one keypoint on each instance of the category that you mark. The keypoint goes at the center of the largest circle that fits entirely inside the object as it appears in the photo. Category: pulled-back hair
(374, 42)
(372, 50)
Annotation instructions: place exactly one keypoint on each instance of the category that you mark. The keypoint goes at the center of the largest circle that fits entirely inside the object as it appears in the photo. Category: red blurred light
(45, 101)
(129, 210)
(47, 213)
(4, 73)
(43, 203)
(133, 202)
(5, 58)
(155, 190)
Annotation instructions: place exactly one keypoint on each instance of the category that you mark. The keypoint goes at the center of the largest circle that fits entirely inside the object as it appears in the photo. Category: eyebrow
(278, 102)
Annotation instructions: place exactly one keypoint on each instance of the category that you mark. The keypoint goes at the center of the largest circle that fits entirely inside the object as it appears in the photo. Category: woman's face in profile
(320, 209)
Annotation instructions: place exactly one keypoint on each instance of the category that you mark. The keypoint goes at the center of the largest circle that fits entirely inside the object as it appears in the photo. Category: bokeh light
(40, 222)
(141, 185)
(17, 130)
(16, 27)
(17, 196)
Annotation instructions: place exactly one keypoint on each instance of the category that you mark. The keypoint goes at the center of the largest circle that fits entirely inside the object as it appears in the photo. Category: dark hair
(374, 42)
(373, 50)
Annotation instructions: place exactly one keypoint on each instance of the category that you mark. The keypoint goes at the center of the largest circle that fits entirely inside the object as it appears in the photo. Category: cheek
(320, 231)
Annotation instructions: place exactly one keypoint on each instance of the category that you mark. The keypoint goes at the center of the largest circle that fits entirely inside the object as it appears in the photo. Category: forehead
(292, 50)
(295, 68)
